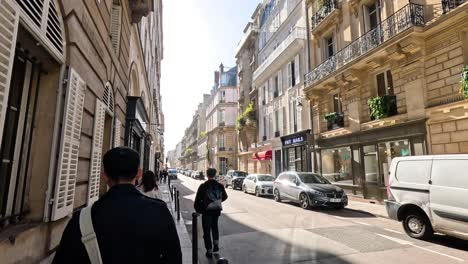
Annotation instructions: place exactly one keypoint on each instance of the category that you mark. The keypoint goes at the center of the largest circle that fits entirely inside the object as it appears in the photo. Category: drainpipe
(314, 156)
(63, 82)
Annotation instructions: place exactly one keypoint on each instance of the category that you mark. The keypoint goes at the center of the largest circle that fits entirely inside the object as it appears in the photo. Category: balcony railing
(296, 33)
(408, 16)
(326, 9)
(448, 5)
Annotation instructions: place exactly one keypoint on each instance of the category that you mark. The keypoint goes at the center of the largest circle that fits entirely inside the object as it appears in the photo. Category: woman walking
(149, 187)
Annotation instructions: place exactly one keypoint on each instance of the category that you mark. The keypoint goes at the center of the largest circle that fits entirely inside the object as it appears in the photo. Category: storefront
(360, 162)
(296, 154)
(263, 159)
(136, 134)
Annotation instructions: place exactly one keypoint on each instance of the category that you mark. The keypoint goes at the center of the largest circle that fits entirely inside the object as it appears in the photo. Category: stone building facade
(384, 83)
(67, 81)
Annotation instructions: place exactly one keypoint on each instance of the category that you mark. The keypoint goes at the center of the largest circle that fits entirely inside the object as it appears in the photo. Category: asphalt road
(260, 230)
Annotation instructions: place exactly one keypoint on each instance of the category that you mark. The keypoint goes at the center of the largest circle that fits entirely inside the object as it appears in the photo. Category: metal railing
(326, 9)
(448, 5)
(408, 16)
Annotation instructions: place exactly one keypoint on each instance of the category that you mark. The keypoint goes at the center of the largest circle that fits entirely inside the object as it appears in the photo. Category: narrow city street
(260, 230)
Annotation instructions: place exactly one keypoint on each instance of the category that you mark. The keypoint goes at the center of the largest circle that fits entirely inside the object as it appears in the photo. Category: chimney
(221, 68)
(216, 79)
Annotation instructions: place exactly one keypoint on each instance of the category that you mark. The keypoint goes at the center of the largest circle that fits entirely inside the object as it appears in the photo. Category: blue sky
(198, 36)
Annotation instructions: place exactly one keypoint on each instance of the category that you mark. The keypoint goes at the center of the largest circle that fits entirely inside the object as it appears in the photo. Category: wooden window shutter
(115, 26)
(297, 71)
(96, 152)
(67, 167)
(280, 82)
(117, 132)
(9, 18)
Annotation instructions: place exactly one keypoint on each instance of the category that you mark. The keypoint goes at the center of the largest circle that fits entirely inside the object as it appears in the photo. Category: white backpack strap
(88, 237)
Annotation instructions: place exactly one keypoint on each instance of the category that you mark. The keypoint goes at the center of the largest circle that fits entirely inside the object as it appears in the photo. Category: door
(448, 195)
(371, 172)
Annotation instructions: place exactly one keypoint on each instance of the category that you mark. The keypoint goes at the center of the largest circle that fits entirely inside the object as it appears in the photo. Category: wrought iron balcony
(327, 8)
(448, 5)
(408, 16)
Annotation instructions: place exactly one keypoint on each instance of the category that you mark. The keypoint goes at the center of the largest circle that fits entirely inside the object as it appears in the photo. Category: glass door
(371, 172)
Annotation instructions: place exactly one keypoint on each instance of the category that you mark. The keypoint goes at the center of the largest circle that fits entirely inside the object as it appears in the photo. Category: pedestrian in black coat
(130, 227)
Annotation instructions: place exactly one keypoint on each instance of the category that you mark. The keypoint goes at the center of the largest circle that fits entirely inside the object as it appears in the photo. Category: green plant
(464, 82)
(330, 116)
(240, 122)
(188, 151)
(202, 135)
(382, 106)
(247, 118)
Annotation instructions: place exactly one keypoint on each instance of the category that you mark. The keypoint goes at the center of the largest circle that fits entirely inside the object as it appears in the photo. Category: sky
(198, 36)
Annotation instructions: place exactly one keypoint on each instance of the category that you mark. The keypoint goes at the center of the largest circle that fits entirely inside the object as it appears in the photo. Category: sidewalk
(367, 207)
(185, 242)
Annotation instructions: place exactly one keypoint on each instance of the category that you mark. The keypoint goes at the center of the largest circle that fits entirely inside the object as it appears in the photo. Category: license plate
(335, 200)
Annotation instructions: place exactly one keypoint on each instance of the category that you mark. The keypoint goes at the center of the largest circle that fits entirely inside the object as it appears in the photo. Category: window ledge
(12, 231)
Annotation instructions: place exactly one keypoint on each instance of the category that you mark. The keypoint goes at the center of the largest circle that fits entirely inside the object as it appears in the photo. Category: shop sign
(294, 140)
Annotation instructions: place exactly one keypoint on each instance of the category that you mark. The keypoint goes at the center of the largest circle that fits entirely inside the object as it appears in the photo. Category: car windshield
(239, 174)
(172, 170)
(265, 178)
(312, 178)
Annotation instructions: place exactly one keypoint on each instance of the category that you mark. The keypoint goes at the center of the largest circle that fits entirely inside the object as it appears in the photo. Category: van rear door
(449, 195)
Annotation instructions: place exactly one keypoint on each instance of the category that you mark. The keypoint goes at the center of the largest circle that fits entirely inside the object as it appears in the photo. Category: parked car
(429, 194)
(172, 173)
(308, 189)
(234, 178)
(260, 184)
(197, 175)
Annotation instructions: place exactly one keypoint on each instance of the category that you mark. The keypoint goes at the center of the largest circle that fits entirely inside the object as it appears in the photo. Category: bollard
(172, 193)
(175, 199)
(194, 238)
(178, 205)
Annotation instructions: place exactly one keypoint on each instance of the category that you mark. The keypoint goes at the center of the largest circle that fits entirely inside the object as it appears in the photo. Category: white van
(429, 194)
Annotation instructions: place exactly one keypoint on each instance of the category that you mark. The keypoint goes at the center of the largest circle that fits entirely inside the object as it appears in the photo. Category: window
(115, 25)
(221, 116)
(221, 141)
(264, 94)
(276, 89)
(329, 47)
(291, 74)
(264, 128)
(384, 83)
(337, 165)
(336, 102)
(277, 127)
(374, 15)
(280, 83)
(414, 171)
(389, 150)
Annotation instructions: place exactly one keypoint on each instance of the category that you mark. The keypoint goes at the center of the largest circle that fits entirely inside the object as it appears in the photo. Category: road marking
(393, 231)
(362, 223)
(404, 242)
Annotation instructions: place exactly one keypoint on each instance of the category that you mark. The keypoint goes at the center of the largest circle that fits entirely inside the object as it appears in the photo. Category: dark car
(308, 189)
(234, 178)
(172, 174)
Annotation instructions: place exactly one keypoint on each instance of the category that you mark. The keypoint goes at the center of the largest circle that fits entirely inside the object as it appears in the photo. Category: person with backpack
(123, 226)
(208, 203)
(149, 187)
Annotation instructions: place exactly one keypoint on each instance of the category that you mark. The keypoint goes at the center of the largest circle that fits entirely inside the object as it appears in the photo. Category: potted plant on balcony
(464, 82)
(382, 106)
(330, 118)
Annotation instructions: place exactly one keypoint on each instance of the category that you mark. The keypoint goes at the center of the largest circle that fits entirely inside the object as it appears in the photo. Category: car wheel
(257, 192)
(277, 196)
(418, 226)
(304, 201)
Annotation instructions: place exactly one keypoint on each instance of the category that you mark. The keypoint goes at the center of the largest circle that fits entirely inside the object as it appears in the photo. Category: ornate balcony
(448, 5)
(408, 16)
(323, 12)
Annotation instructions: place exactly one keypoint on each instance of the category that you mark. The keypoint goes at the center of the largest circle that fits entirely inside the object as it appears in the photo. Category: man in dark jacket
(130, 227)
(208, 201)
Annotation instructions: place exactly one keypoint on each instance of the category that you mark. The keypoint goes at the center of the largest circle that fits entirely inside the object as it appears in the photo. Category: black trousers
(210, 228)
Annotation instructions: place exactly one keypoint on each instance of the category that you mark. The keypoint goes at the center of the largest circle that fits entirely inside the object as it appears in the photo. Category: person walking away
(149, 187)
(123, 226)
(165, 175)
(208, 203)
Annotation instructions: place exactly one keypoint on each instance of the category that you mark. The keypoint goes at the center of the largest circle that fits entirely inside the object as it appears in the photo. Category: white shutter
(115, 26)
(9, 17)
(67, 168)
(280, 82)
(297, 71)
(96, 152)
(284, 121)
(117, 132)
(280, 122)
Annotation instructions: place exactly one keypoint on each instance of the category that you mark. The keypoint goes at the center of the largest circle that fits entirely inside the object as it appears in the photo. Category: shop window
(277, 162)
(384, 83)
(337, 165)
(370, 164)
(291, 159)
(388, 151)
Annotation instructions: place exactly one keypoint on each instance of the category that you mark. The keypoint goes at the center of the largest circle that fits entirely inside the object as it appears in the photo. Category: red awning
(264, 155)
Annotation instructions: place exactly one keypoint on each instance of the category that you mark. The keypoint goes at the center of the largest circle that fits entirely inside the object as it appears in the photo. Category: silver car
(260, 184)
(308, 189)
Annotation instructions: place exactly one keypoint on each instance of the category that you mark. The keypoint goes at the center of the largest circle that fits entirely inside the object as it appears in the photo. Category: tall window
(221, 141)
(276, 84)
(277, 126)
(291, 77)
(384, 83)
(264, 127)
(264, 94)
(221, 117)
(372, 15)
(336, 102)
(115, 24)
(329, 46)
(280, 83)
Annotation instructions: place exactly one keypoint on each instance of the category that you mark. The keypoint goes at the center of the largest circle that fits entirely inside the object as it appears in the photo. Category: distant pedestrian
(149, 187)
(208, 202)
(164, 175)
(123, 226)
